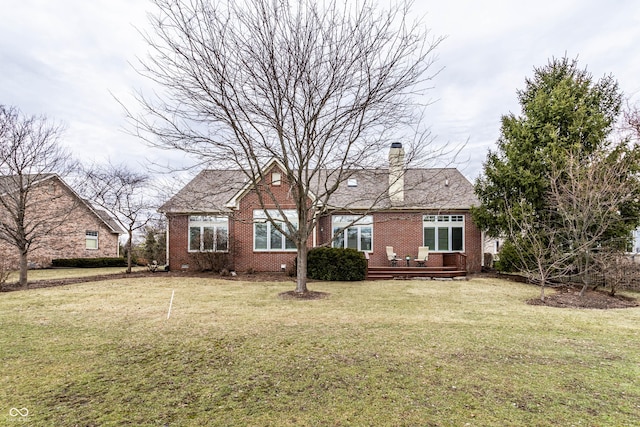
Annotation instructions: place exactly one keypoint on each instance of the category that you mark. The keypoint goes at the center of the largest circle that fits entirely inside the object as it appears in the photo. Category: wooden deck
(454, 265)
(386, 273)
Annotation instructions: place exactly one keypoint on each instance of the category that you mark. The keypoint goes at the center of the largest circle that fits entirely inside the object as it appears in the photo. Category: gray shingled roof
(432, 189)
(424, 189)
(109, 221)
(209, 191)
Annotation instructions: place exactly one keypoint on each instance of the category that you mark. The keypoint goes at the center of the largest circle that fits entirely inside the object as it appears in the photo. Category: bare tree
(30, 156)
(585, 200)
(123, 193)
(322, 87)
(535, 242)
(631, 121)
(589, 195)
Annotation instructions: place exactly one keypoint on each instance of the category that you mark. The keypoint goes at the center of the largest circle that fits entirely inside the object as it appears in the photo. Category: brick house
(72, 228)
(219, 212)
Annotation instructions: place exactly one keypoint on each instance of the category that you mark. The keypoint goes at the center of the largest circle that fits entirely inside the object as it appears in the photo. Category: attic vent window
(276, 179)
(352, 182)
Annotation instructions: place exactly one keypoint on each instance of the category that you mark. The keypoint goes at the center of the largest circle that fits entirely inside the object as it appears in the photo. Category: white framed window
(208, 233)
(266, 237)
(276, 179)
(352, 231)
(443, 233)
(91, 239)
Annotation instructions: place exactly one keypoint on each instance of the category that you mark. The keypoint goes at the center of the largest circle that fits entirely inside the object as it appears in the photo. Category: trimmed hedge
(89, 262)
(336, 264)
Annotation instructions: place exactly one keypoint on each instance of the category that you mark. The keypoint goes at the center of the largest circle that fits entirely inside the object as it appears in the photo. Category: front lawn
(387, 353)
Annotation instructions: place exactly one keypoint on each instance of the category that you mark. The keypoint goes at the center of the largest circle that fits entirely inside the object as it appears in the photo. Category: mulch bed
(569, 297)
(309, 295)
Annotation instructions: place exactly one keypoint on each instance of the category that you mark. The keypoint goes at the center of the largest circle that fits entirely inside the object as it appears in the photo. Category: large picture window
(267, 237)
(351, 231)
(444, 233)
(208, 233)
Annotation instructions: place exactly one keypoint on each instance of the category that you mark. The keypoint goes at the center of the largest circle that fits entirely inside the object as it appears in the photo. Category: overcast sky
(68, 58)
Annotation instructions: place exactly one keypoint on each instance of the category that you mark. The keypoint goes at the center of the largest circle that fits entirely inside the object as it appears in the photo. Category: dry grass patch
(234, 353)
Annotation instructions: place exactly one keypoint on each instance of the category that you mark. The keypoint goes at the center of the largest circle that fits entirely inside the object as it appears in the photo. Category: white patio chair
(391, 256)
(423, 256)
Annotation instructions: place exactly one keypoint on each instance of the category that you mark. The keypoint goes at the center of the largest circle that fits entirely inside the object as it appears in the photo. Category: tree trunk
(23, 268)
(542, 284)
(301, 270)
(583, 290)
(129, 245)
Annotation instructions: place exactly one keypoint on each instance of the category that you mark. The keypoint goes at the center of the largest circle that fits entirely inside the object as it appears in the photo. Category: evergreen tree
(563, 110)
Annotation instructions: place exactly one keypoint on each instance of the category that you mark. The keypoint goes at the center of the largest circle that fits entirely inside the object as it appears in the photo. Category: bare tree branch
(321, 87)
(30, 155)
(124, 194)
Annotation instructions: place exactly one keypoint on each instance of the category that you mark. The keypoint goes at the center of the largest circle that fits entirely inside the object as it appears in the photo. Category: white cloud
(66, 58)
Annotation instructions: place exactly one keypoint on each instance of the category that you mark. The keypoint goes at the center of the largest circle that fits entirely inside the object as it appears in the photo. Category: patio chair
(423, 256)
(391, 256)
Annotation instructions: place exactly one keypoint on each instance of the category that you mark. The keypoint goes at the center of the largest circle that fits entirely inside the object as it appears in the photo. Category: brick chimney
(396, 174)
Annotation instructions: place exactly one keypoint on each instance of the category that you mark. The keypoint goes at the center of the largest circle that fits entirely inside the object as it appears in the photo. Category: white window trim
(450, 222)
(351, 221)
(260, 217)
(91, 237)
(207, 221)
(276, 179)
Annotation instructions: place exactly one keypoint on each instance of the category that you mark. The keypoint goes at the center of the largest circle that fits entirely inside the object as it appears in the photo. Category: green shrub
(508, 260)
(89, 262)
(336, 264)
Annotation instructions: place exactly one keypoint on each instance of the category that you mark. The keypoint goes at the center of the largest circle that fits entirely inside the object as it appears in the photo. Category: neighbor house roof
(108, 221)
(9, 184)
(424, 189)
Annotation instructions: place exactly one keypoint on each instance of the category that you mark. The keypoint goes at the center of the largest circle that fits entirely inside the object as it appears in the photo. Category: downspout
(166, 243)
(482, 239)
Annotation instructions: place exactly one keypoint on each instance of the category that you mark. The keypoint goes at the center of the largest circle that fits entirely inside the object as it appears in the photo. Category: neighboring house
(75, 228)
(218, 212)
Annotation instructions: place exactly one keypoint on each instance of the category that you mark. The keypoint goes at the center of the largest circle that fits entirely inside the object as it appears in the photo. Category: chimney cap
(396, 145)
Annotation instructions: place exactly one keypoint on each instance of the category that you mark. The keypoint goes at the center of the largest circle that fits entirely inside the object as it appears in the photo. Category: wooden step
(380, 273)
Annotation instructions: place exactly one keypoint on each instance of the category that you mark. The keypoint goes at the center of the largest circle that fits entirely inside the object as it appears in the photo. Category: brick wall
(402, 230)
(53, 203)
(245, 256)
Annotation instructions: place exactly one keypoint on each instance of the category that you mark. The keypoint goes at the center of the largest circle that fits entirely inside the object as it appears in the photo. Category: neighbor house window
(352, 231)
(208, 233)
(266, 236)
(444, 233)
(91, 239)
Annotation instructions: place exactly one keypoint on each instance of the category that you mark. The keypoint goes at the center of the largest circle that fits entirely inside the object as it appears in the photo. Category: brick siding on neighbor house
(69, 239)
